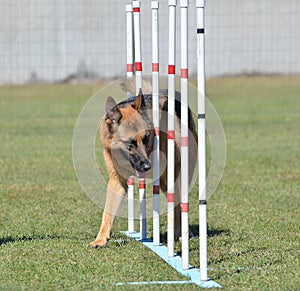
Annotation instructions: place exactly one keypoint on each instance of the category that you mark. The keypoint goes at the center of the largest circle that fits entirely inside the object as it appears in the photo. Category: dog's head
(131, 129)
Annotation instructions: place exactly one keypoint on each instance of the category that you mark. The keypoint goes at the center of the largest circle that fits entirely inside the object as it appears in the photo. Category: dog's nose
(147, 166)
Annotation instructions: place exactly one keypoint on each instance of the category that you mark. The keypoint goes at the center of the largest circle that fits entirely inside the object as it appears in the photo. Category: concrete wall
(50, 40)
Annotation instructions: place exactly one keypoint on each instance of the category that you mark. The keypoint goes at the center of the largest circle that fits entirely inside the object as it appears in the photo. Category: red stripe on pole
(156, 131)
(142, 184)
(184, 73)
(136, 9)
(184, 141)
(155, 67)
(129, 68)
(155, 189)
(171, 197)
(184, 207)
(171, 69)
(130, 181)
(138, 66)
(171, 134)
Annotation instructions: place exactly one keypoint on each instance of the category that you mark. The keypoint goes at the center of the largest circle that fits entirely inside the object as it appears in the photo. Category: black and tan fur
(127, 134)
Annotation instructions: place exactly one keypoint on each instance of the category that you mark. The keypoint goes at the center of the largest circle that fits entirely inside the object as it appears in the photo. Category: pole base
(175, 262)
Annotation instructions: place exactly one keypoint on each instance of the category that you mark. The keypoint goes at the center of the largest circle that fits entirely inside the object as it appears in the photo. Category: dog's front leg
(115, 193)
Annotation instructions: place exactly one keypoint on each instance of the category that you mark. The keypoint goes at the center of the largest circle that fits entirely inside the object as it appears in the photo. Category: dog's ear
(113, 114)
(139, 103)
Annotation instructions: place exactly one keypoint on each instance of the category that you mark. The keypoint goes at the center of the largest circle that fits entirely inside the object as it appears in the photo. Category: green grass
(46, 220)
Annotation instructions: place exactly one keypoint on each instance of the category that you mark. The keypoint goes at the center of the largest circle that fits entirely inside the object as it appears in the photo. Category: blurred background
(55, 54)
(50, 41)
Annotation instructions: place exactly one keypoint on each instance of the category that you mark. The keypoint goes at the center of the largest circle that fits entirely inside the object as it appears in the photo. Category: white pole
(155, 108)
(129, 28)
(138, 71)
(129, 39)
(137, 44)
(184, 135)
(142, 196)
(171, 126)
(200, 5)
(131, 204)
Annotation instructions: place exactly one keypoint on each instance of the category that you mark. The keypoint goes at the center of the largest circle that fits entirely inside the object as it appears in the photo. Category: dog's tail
(129, 86)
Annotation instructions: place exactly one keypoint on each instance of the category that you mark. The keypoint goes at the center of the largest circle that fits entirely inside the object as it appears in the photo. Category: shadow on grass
(195, 231)
(210, 232)
(10, 239)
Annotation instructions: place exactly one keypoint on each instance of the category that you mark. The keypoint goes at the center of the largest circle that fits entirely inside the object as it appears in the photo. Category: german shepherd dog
(127, 135)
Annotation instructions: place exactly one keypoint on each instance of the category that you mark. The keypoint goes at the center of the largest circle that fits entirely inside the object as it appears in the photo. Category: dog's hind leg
(114, 197)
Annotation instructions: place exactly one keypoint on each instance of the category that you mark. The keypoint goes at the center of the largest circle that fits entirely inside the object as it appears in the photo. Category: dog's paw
(97, 243)
(191, 235)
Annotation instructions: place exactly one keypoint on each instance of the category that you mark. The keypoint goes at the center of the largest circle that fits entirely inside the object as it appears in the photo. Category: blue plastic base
(192, 273)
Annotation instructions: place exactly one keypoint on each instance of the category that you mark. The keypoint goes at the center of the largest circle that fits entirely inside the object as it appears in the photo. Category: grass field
(46, 220)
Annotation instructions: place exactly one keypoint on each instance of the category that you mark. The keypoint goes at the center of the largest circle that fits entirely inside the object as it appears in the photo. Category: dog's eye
(131, 144)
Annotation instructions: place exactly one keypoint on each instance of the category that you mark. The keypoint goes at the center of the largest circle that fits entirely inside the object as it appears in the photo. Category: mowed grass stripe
(46, 220)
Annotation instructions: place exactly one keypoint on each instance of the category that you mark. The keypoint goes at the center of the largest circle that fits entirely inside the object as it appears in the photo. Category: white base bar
(175, 262)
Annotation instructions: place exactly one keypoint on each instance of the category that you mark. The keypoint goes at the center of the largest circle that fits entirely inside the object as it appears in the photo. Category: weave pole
(129, 38)
(184, 134)
(200, 5)
(171, 126)
(155, 109)
(138, 72)
(180, 264)
(137, 44)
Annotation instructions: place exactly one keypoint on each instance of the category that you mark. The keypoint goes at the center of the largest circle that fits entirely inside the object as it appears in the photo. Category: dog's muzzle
(146, 166)
(141, 166)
